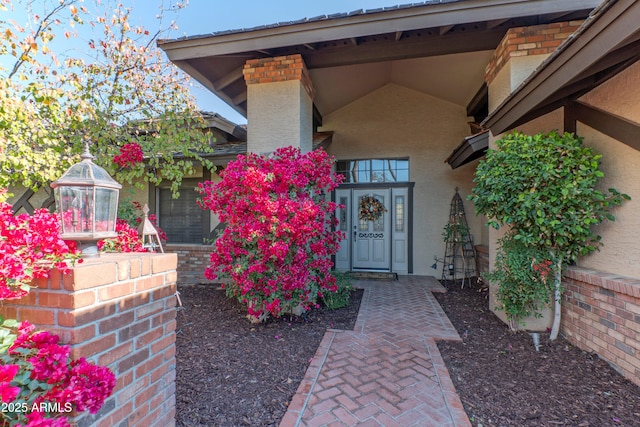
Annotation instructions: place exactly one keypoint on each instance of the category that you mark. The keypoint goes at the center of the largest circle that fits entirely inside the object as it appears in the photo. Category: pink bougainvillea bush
(130, 155)
(30, 245)
(280, 233)
(127, 240)
(40, 385)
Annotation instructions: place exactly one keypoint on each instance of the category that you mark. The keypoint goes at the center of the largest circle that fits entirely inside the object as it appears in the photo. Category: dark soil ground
(233, 373)
(503, 381)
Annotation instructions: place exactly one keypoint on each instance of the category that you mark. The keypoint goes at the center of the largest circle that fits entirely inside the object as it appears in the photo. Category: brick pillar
(280, 104)
(521, 50)
(119, 311)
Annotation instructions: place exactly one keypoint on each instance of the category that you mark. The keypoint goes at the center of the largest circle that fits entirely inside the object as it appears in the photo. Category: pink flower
(8, 393)
(280, 235)
(130, 155)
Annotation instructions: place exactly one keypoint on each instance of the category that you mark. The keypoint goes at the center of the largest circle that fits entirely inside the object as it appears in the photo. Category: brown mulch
(232, 373)
(503, 381)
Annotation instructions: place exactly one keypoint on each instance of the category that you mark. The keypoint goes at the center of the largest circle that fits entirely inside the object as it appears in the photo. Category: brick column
(119, 311)
(521, 50)
(280, 103)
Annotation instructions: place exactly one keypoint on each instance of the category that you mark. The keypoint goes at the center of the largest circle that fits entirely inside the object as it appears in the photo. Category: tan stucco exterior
(397, 122)
(621, 166)
(279, 114)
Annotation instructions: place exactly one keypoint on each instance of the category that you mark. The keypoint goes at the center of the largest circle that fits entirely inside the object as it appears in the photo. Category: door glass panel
(343, 213)
(378, 224)
(399, 207)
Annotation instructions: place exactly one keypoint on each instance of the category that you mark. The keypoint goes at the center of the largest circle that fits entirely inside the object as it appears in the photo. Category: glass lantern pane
(76, 208)
(106, 207)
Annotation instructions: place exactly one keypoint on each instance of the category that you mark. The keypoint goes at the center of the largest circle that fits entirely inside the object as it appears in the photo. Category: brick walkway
(388, 371)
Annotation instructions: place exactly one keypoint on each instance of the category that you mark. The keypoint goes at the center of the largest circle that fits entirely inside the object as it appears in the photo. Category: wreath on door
(370, 208)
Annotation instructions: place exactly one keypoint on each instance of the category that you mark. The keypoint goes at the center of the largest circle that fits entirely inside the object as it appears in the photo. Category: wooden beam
(478, 102)
(399, 35)
(445, 29)
(407, 48)
(240, 98)
(228, 79)
(494, 23)
(617, 127)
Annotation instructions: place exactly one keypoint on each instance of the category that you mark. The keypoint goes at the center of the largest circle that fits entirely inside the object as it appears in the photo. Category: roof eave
(609, 26)
(383, 22)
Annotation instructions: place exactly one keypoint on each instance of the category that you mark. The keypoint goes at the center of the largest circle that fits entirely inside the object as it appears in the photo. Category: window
(181, 218)
(373, 170)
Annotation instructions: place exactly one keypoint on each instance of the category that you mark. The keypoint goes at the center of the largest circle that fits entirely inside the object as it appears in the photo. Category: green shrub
(341, 297)
(525, 279)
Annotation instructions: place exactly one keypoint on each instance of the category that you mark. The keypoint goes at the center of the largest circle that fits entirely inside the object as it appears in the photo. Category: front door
(372, 238)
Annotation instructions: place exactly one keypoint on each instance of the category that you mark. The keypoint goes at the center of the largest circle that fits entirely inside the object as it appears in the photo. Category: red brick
(163, 262)
(94, 347)
(149, 309)
(161, 371)
(133, 360)
(144, 397)
(151, 418)
(115, 354)
(133, 301)
(85, 316)
(37, 316)
(145, 266)
(134, 330)
(114, 291)
(117, 416)
(163, 343)
(148, 366)
(55, 300)
(123, 381)
(91, 275)
(137, 416)
(151, 282)
(118, 321)
(132, 389)
(149, 337)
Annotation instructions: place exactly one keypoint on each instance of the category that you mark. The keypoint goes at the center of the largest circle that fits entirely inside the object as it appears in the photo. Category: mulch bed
(503, 381)
(232, 373)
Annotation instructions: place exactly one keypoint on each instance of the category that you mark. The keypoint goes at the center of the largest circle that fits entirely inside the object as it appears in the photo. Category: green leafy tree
(113, 88)
(544, 187)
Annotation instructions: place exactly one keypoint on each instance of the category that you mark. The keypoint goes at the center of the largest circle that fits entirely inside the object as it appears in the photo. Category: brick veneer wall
(192, 260)
(119, 311)
(601, 313)
(278, 69)
(533, 40)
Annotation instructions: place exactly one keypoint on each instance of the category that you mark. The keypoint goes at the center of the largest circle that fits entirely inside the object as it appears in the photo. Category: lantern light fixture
(87, 200)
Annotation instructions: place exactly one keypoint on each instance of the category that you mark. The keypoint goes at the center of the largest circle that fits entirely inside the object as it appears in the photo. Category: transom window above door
(373, 170)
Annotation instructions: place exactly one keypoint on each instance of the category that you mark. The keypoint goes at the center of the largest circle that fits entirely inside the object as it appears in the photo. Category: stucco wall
(621, 166)
(510, 76)
(395, 121)
(279, 115)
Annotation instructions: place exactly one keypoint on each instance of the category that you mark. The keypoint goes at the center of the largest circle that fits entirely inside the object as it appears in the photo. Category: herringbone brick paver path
(387, 371)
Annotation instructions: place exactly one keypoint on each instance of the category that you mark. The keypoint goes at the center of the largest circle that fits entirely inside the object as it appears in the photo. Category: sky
(208, 16)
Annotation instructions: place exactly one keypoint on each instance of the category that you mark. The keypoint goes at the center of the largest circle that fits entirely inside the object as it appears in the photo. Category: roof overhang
(471, 148)
(607, 43)
(431, 29)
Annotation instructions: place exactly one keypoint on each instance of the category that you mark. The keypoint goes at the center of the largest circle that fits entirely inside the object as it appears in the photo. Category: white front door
(371, 239)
